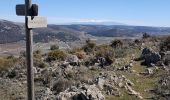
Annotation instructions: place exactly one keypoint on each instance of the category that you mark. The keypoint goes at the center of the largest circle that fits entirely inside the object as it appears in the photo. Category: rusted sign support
(30, 10)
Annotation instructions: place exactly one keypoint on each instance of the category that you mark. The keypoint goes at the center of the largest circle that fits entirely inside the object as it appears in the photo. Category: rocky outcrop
(166, 58)
(111, 84)
(84, 92)
(150, 57)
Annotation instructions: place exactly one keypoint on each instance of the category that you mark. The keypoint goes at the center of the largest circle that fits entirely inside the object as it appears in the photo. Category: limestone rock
(84, 92)
(72, 58)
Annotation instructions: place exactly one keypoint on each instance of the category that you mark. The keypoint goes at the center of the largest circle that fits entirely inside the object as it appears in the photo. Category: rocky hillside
(10, 32)
(121, 70)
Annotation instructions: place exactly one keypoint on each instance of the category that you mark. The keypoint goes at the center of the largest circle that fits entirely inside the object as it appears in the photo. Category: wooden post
(29, 52)
(30, 11)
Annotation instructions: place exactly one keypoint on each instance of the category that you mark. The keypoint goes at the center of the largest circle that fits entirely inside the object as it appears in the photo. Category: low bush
(37, 54)
(106, 52)
(6, 63)
(120, 53)
(165, 45)
(146, 35)
(61, 85)
(54, 47)
(89, 47)
(116, 44)
(78, 52)
(56, 55)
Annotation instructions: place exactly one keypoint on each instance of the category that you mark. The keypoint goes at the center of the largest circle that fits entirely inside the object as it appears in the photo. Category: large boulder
(146, 51)
(150, 57)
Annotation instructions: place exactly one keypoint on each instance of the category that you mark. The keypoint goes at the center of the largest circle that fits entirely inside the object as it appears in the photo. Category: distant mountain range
(95, 23)
(13, 32)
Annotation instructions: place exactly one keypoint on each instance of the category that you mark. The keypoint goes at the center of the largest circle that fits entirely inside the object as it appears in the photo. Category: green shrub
(120, 53)
(56, 55)
(116, 44)
(78, 52)
(6, 63)
(54, 47)
(61, 85)
(106, 52)
(165, 45)
(89, 47)
(39, 63)
(37, 54)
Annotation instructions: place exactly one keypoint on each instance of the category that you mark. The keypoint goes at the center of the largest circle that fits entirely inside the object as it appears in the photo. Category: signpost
(30, 10)
(36, 22)
(20, 10)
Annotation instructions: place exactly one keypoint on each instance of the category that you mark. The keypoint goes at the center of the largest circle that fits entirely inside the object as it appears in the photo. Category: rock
(35, 70)
(131, 65)
(102, 61)
(111, 90)
(121, 85)
(146, 51)
(44, 94)
(133, 92)
(150, 56)
(167, 58)
(72, 58)
(130, 83)
(126, 67)
(100, 82)
(149, 71)
(84, 92)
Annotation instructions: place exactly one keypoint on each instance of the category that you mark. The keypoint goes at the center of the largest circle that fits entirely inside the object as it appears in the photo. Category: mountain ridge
(13, 32)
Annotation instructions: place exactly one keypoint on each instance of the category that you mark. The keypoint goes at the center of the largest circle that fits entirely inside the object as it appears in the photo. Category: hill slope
(13, 32)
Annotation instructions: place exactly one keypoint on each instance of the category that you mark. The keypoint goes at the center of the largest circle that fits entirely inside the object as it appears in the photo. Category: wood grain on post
(29, 52)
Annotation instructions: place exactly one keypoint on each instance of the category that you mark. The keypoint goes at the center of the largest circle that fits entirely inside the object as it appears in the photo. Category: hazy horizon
(129, 12)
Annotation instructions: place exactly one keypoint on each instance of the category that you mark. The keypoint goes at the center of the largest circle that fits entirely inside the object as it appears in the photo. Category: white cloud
(58, 20)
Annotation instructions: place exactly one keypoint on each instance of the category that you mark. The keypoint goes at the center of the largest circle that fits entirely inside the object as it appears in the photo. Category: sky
(131, 12)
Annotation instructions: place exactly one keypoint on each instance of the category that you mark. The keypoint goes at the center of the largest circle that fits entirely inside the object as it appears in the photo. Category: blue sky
(133, 12)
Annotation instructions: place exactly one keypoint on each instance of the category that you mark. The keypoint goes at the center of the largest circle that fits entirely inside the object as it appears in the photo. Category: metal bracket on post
(30, 10)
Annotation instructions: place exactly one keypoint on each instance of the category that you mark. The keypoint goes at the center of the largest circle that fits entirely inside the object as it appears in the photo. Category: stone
(111, 90)
(133, 92)
(150, 56)
(167, 58)
(100, 82)
(72, 58)
(102, 61)
(145, 51)
(121, 85)
(149, 71)
(84, 92)
(35, 70)
(130, 83)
